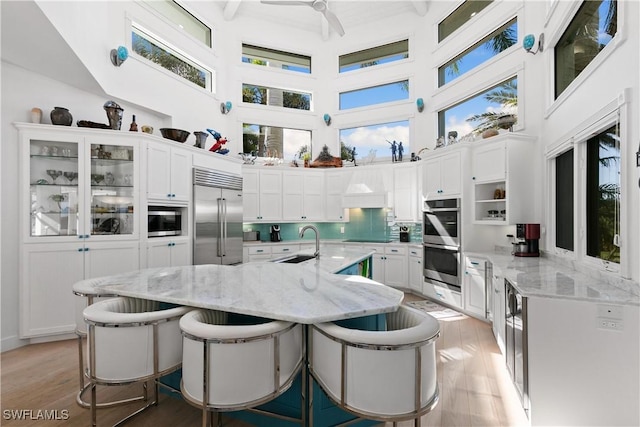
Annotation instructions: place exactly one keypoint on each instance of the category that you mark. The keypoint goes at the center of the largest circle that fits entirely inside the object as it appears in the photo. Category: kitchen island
(309, 292)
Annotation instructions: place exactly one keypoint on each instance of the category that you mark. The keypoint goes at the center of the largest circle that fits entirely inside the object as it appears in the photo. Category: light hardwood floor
(475, 389)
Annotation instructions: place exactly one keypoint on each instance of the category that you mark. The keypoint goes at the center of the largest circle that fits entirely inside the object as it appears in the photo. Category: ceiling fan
(317, 5)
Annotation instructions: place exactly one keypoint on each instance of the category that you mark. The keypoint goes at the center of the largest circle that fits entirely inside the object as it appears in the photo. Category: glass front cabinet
(79, 186)
(79, 217)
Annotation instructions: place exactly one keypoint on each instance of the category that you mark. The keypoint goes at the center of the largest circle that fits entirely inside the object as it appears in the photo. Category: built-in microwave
(164, 221)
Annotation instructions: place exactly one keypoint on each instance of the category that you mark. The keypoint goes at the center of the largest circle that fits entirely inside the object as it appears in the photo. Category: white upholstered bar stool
(86, 293)
(380, 375)
(237, 367)
(132, 340)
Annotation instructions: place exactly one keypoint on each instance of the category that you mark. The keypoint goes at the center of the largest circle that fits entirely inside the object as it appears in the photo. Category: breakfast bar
(314, 291)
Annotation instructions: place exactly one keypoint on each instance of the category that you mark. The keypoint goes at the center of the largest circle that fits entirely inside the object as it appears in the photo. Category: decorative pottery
(36, 115)
(147, 129)
(61, 116)
(114, 114)
(201, 138)
(489, 133)
(178, 135)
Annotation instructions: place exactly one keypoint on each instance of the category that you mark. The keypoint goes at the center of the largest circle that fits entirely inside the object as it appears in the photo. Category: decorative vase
(36, 115)
(489, 133)
(61, 116)
(201, 138)
(114, 114)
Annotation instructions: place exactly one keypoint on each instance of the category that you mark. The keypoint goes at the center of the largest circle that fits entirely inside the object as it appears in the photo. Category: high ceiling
(351, 13)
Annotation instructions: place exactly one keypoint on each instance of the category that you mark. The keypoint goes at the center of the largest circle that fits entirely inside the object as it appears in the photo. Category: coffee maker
(531, 235)
(275, 233)
(404, 233)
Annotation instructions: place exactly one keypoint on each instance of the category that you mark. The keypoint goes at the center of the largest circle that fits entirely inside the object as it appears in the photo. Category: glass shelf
(50, 157)
(109, 162)
(53, 185)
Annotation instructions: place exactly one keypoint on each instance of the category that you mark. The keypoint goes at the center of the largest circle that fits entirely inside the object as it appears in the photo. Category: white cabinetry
(163, 252)
(498, 309)
(261, 194)
(389, 265)
(335, 183)
(259, 253)
(303, 195)
(474, 287)
(442, 176)
(168, 173)
(503, 177)
(48, 272)
(405, 193)
(416, 276)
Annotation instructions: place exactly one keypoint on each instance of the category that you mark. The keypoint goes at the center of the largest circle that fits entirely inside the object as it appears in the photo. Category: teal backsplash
(363, 224)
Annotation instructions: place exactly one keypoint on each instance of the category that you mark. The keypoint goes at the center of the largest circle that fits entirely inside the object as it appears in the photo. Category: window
(603, 195)
(564, 201)
(374, 95)
(496, 42)
(275, 97)
(273, 141)
(375, 56)
(276, 58)
(149, 47)
(460, 16)
(375, 141)
(496, 108)
(593, 27)
(183, 19)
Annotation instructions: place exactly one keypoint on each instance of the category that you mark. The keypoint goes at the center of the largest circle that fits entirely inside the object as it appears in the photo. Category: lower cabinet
(49, 271)
(474, 287)
(498, 310)
(389, 265)
(259, 253)
(416, 273)
(163, 252)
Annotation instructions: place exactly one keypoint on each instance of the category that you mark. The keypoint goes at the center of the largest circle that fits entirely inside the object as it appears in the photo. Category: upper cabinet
(406, 201)
(303, 195)
(78, 185)
(502, 176)
(261, 194)
(336, 181)
(442, 176)
(168, 173)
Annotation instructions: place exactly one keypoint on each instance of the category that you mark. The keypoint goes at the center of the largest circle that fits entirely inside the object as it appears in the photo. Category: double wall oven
(441, 243)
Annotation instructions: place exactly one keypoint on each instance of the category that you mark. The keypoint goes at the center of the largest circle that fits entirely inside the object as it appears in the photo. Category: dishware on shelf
(54, 174)
(109, 179)
(45, 150)
(97, 178)
(69, 176)
(55, 151)
(58, 198)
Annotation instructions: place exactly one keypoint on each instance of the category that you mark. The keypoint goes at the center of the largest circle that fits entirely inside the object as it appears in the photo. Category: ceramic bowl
(178, 135)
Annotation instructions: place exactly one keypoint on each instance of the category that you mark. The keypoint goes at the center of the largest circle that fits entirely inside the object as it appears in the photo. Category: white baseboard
(9, 343)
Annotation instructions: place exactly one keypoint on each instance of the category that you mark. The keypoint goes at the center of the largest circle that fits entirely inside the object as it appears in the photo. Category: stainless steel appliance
(404, 233)
(164, 221)
(251, 236)
(217, 217)
(275, 233)
(441, 243)
(531, 235)
(516, 341)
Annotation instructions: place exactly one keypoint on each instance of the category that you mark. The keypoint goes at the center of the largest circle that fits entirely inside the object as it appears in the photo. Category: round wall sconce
(225, 107)
(529, 42)
(420, 104)
(327, 119)
(119, 55)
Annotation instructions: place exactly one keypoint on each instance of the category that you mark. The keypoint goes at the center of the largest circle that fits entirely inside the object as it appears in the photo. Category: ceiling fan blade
(333, 21)
(287, 2)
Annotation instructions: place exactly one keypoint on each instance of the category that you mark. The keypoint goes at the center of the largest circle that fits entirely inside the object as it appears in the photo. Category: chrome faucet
(313, 227)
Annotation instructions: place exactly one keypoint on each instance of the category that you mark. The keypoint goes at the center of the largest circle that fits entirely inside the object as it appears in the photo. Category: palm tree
(506, 94)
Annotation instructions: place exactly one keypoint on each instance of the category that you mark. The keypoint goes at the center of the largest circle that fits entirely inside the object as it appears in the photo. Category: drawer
(379, 249)
(413, 252)
(475, 263)
(259, 250)
(395, 250)
(284, 249)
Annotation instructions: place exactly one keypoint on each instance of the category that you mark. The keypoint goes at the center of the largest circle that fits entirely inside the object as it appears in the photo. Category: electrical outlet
(613, 325)
(341, 230)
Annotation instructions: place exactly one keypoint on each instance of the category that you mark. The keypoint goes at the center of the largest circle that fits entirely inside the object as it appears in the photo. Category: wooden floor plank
(475, 388)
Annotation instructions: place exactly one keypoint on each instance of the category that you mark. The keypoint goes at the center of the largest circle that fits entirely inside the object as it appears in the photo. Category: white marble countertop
(545, 277)
(307, 293)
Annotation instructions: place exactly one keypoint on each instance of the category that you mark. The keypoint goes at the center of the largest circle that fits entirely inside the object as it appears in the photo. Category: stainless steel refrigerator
(217, 217)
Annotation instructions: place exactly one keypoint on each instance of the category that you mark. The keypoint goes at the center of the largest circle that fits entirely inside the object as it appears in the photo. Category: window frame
(148, 4)
(275, 107)
(615, 111)
(380, 121)
(377, 46)
(377, 104)
(210, 85)
(465, 24)
(554, 103)
(292, 52)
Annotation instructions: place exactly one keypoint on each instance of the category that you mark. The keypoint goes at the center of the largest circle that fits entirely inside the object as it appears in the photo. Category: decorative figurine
(220, 141)
(353, 156)
(453, 135)
(400, 151)
(394, 149)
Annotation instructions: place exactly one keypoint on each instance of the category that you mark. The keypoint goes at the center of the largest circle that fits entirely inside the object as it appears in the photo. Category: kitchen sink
(294, 259)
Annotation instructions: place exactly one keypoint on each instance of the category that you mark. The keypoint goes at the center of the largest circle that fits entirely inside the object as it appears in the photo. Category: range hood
(366, 189)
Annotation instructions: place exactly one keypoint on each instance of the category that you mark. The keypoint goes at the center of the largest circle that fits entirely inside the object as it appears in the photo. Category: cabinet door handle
(394, 250)
(80, 249)
(475, 263)
(86, 249)
(259, 250)
(169, 195)
(285, 249)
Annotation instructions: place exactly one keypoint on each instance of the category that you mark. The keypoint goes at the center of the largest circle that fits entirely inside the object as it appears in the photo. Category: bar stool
(380, 375)
(237, 367)
(131, 340)
(86, 294)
